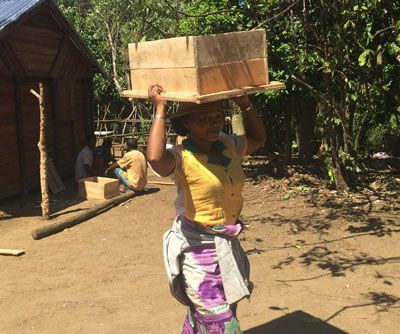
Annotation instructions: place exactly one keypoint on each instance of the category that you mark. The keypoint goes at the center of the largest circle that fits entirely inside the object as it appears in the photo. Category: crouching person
(131, 169)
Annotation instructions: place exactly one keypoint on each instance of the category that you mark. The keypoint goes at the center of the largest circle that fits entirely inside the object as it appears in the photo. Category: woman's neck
(203, 145)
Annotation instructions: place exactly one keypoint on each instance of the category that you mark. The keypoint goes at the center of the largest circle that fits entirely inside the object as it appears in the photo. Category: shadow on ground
(298, 322)
(61, 204)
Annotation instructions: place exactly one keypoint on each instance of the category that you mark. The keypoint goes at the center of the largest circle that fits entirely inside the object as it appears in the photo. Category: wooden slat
(7, 130)
(9, 191)
(55, 183)
(173, 80)
(172, 52)
(9, 145)
(231, 76)
(14, 252)
(7, 119)
(33, 48)
(142, 94)
(10, 177)
(38, 40)
(36, 65)
(46, 19)
(231, 47)
(10, 59)
(29, 30)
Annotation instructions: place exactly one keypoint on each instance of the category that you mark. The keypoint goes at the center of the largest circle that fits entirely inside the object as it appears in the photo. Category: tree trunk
(289, 110)
(306, 117)
(339, 174)
(43, 151)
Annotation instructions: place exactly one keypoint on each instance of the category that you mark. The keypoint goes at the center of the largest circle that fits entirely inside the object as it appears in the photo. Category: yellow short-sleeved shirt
(134, 162)
(208, 192)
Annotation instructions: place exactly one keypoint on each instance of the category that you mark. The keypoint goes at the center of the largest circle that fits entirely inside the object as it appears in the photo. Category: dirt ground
(321, 263)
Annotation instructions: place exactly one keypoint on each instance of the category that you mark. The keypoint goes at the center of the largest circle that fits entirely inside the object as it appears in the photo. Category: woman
(207, 268)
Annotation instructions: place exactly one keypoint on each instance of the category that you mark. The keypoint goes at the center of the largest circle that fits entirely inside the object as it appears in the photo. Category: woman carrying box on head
(207, 268)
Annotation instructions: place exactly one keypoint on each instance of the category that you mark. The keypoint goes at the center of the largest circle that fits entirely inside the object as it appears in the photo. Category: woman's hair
(178, 127)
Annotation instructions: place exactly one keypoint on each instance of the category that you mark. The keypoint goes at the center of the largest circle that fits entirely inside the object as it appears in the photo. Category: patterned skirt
(209, 312)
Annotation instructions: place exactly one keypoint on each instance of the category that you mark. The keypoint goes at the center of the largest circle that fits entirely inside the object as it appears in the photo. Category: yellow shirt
(208, 192)
(134, 162)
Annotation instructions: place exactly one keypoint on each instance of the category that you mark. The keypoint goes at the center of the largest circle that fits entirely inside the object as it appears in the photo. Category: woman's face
(205, 125)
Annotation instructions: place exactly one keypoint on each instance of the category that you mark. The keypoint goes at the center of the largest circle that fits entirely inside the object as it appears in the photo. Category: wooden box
(98, 187)
(201, 68)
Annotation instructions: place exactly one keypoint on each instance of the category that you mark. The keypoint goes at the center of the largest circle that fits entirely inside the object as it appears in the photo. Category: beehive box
(201, 68)
(98, 187)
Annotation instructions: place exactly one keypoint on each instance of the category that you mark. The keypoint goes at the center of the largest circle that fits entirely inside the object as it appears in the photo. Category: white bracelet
(159, 117)
(249, 107)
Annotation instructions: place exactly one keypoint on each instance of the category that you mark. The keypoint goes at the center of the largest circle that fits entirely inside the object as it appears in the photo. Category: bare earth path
(320, 265)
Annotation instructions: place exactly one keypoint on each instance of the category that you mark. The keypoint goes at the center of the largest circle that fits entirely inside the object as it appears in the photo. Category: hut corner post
(43, 151)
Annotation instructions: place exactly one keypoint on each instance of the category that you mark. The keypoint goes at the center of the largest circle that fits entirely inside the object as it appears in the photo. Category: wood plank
(55, 183)
(7, 130)
(36, 65)
(46, 19)
(34, 48)
(7, 104)
(231, 76)
(9, 150)
(142, 94)
(230, 47)
(7, 119)
(273, 85)
(13, 252)
(10, 59)
(3, 67)
(166, 53)
(9, 143)
(173, 80)
(9, 188)
(4, 193)
(10, 179)
(39, 40)
(29, 30)
(19, 121)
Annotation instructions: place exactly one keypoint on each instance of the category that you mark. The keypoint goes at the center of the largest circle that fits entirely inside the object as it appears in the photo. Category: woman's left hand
(242, 101)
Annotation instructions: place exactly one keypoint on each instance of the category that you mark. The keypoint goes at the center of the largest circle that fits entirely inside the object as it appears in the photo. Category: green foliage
(343, 54)
(385, 137)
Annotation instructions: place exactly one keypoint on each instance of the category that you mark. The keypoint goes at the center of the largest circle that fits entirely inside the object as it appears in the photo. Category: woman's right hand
(154, 92)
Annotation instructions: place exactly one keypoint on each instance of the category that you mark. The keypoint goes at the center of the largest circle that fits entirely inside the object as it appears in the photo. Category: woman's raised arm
(256, 134)
(162, 161)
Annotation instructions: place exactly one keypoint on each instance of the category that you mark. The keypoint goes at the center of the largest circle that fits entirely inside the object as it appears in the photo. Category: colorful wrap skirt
(203, 268)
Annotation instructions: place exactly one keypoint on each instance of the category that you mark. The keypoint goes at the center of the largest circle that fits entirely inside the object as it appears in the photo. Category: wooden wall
(71, 122)
(40, 49)
(10, 182)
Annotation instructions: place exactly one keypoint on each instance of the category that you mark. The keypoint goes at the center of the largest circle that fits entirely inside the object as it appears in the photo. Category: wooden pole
(43, 151)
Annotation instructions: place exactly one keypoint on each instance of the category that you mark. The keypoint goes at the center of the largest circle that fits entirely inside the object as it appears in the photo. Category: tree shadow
(300, 322)
(382, 301)
(297, 322)
(333, 263)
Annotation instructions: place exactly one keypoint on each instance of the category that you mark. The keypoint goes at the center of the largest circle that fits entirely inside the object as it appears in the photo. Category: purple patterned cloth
(209, 311)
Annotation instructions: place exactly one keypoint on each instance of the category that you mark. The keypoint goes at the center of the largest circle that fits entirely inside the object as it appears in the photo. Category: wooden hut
(38, 44)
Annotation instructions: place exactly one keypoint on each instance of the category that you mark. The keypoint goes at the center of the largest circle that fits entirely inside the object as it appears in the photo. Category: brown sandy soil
(320, 264)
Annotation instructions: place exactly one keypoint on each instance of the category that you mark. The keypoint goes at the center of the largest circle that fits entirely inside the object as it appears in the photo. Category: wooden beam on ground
(57, 227)
(14, 252)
